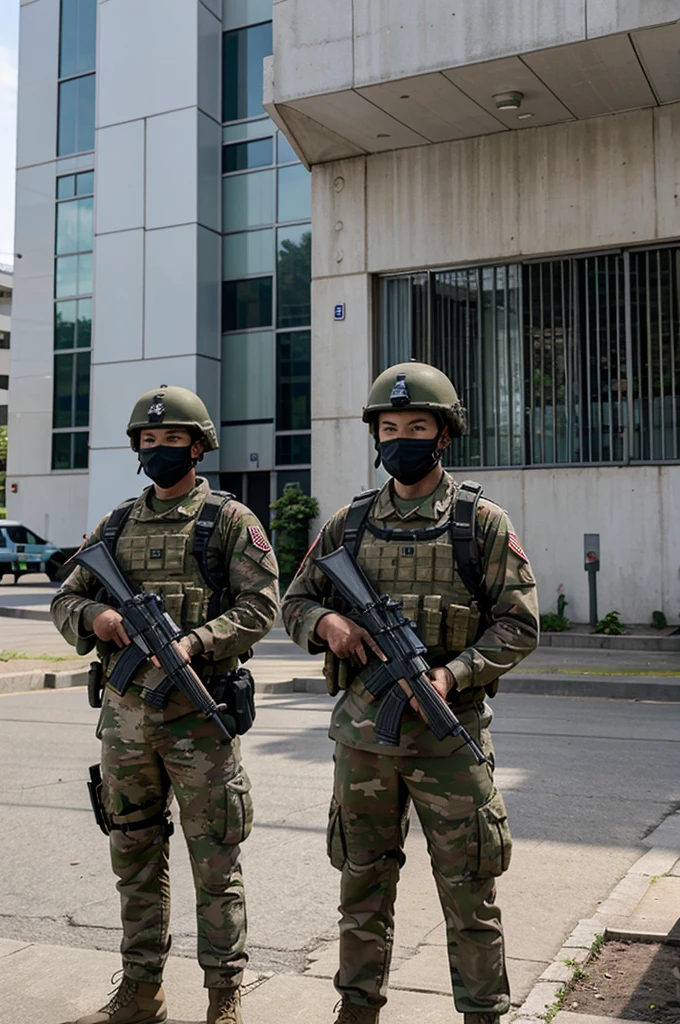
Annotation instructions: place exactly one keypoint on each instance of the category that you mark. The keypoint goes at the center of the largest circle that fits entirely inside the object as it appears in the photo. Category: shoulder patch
(259, 538)
(515, 546)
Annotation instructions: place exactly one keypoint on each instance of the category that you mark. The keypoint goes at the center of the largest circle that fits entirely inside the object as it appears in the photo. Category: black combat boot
(224, 1006)
(354, 1013)
(483, 1018)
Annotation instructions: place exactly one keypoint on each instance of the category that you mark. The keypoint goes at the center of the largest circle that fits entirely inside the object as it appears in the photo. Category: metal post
(592, 591)
(591, 553)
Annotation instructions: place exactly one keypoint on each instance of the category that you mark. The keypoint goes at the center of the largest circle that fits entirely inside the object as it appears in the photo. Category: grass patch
(579, 974)
(21, 656)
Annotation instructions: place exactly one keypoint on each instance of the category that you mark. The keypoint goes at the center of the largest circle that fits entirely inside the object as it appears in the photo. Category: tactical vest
(435, 572)
(169, 557)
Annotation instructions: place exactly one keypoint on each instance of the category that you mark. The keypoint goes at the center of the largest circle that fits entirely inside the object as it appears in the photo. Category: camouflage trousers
(464, 820)
(146, 758)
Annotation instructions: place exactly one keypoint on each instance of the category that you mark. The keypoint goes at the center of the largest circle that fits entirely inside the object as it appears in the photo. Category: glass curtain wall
(572, 361)
(74, 237)
(266, 267)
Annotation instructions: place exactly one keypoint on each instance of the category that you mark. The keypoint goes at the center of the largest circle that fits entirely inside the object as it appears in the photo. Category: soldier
(473, 596)
(210, 560)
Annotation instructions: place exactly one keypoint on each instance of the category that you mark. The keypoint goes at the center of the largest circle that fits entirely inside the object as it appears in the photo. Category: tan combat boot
(133, 1002)
(353, 1013)
(224, 1006)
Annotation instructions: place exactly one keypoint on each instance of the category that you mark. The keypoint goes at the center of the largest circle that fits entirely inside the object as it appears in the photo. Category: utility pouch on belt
(95, 684)
(336, 673)
(237, 690)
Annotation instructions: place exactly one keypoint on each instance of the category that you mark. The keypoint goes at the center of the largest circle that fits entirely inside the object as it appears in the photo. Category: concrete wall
(609, 181)
(321, 46)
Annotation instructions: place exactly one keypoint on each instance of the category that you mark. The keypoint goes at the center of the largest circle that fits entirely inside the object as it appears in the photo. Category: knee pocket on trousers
(233, 820)
(489, 845)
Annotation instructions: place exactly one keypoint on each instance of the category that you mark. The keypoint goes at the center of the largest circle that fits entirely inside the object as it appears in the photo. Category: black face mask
(165, 464)
(409, 459)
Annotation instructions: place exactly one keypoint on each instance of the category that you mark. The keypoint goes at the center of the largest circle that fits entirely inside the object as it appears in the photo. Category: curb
(595, 641)
(611, 921)
(14, 612)
(24, 682)
(661, 688)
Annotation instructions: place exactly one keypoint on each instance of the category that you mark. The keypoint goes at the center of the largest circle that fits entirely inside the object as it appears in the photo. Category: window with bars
(566, 361)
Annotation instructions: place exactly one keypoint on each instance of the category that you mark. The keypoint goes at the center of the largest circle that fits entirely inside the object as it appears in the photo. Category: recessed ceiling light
(383, 135)
(508, 100)
(524, 117)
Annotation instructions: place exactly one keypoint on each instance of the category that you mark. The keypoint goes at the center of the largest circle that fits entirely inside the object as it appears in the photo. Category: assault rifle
(153, 633)
(404, 674)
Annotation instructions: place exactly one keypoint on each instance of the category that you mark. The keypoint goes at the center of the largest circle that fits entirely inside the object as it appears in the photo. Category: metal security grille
(567, 361)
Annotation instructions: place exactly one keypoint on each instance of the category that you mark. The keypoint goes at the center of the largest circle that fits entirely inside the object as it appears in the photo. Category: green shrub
(610, 625)
(659, 620)
(552, 623)
(293, 512)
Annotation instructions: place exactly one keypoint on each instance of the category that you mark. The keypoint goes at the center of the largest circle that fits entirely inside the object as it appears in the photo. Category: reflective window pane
(75, 226)
(66, 186)
(242, 156)
(76, 116)
(293, 381)
(84, 324)
(243, 53)
(85, 275)
(61, 451)
(248, 377)
(293, 449)
(295, 193)
(248, 201)
(246, 12)
(248, 130)
(63, 391)
(80, 450)
(246, 303)
(248, 252)
(85, 183)
(78, 37)
(82, 396)
(66, 276)
(294, 266)
(300, 477)
(285, 152)
(65, 325)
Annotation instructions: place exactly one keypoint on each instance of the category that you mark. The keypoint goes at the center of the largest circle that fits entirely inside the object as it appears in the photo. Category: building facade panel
(208, 173)
(64, 518)
(343, 462)
(313, 48)
(119, 288)
(139, 79)
(38, 70)
(667, 169)
(209, 45)
(605, 17)
(171, 168)
(207, 329)
(341, 353)
(170, 306)
(120, 177)
(339, 200)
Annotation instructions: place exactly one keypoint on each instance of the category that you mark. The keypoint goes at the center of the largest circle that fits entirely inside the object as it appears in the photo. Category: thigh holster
(108, 823)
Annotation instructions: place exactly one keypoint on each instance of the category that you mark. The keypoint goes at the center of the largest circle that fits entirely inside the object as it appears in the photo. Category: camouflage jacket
(423, 577)
(154, 551)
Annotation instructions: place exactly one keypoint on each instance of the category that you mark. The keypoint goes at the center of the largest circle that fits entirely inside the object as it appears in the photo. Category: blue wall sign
(339, 311)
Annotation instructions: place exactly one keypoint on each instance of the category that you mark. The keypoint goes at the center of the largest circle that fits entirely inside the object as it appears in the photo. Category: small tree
(293, 512)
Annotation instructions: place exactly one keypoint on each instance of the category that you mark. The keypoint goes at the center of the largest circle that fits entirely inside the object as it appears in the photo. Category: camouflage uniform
(148, 753)
(461, 811)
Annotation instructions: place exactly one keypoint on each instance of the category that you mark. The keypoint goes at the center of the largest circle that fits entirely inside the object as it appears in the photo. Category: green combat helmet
(169, 406)
(416, 386)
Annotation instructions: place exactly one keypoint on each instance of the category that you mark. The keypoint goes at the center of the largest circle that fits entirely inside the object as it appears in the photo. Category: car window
(3, 539)
(20, 535)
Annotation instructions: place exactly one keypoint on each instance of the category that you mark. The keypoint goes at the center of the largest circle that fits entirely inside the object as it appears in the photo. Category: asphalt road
(584, 781)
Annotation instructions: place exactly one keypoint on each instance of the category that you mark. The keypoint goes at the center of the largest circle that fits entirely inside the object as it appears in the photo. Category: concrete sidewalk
(42, 984)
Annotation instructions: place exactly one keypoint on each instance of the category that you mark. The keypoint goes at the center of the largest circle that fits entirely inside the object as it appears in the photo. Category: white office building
(496, 190)
(163, 223)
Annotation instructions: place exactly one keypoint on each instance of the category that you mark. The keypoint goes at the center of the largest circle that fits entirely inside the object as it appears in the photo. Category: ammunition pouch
(236, 690)
(108, 825)
(338, 673)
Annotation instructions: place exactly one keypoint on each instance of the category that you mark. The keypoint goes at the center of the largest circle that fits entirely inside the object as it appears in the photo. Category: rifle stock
(396, 637)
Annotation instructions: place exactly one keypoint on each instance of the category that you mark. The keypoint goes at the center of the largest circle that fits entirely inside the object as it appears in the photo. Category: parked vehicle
(22, 552)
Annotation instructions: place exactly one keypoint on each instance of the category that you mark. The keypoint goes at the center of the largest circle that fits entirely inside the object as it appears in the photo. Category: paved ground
(584, 781)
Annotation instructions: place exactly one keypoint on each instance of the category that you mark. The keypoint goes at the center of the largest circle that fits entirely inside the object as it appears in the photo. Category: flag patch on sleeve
(259, 538)
(516, 546)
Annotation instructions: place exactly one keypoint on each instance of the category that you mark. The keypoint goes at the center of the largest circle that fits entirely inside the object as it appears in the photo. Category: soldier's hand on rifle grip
(442, 681)
(108, 625)
(345, 638)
